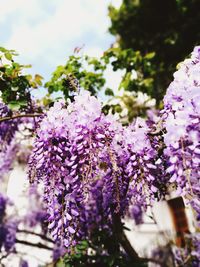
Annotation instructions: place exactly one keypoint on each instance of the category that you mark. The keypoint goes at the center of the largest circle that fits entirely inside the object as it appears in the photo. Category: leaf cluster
(15, 86)
(88, 71)
(81, 258)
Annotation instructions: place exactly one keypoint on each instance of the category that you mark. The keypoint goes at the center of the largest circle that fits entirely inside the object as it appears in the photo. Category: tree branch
(3, 257)
(21, 116)
(126, 245)
(38, 245)
(124, 242)
(36, 234)
(122, 239)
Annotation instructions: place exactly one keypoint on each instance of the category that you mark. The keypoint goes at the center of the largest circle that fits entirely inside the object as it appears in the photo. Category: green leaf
(14, 105)
(150, 55)
(27, 66)
(8, 56)
(109, 92)
(38, 79)
(60, 263)
(15, 88)
(2, 49)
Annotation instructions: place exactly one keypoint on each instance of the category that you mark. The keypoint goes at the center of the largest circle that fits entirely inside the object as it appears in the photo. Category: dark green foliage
(168, 28)
(99, 261)
(81, 258)
(102, 250)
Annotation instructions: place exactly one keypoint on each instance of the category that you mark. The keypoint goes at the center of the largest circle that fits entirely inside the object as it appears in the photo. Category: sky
(45, 32)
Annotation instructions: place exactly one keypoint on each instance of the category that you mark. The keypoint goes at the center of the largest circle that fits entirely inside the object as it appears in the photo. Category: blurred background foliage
(169, 29)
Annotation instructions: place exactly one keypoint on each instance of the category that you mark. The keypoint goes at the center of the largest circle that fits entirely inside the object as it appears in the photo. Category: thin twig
(3, 257)
(37, 245)
(36, 234)
(20, 116)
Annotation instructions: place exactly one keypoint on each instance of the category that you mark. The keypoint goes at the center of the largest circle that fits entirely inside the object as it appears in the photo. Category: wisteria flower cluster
(171, 255)
(92, 168)
(7, 158)
(181, 116)
(8, 147)
(7, 128)
(12, 132)
(8, 227)
(190, 255)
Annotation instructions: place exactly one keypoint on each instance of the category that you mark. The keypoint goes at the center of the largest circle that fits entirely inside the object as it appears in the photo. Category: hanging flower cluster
(7, 128)
(7, 145)
(7, 158)
(190, 255)
(92, 168)
(8, 227)
(172, 255)
(181, 116)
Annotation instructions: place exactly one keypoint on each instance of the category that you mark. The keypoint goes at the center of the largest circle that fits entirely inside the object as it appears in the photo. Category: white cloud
(26, 10)
(45, 33)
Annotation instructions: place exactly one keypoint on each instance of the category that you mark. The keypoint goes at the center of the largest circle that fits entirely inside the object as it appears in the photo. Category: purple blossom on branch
(92, 168)
(181, 116)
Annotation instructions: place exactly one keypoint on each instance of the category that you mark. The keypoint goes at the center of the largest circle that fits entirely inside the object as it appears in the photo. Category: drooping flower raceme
(8, 227)
(190, 254)
(92, 168)
(144, 167)
(182, 122)
(7, 158)
(7, 128)
(7, 145)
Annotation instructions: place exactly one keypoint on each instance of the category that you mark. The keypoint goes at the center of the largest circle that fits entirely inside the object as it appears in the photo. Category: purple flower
(24, 263)
(92, 168)
(181, 116)
(8, 227)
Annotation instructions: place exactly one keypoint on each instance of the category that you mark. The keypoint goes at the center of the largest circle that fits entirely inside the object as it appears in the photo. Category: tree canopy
(168, 28)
